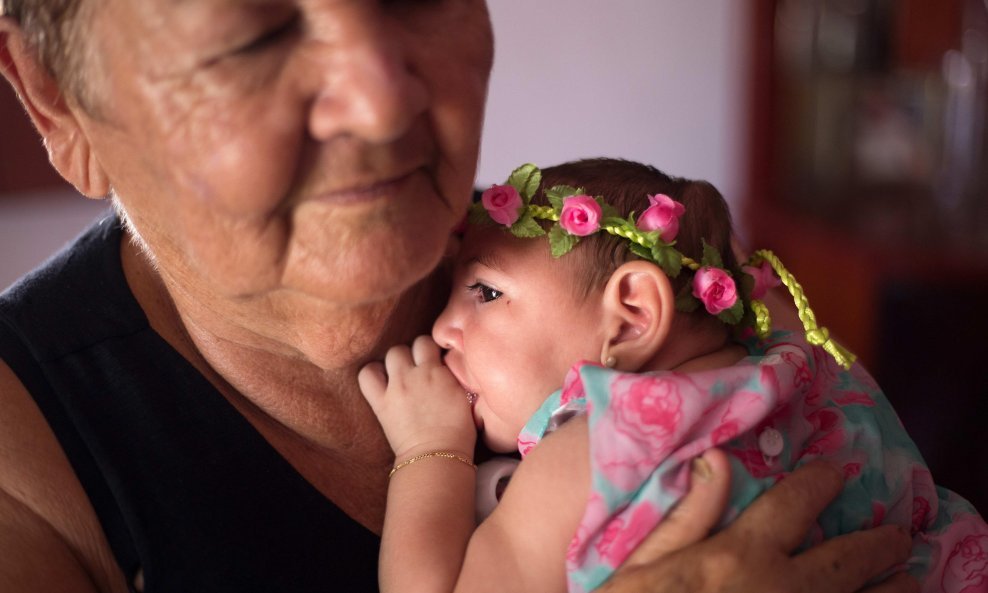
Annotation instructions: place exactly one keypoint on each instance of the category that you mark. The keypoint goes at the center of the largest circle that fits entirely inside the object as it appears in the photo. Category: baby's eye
(485, 293)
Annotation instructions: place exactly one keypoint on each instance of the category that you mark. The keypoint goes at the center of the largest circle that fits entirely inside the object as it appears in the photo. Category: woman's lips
(366, 191)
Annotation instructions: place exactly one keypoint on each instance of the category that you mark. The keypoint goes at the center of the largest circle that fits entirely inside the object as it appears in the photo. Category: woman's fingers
(847, 562)
(799, 499)
(692, 519)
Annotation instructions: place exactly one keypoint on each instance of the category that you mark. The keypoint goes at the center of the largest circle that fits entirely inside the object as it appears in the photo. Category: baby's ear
(638, 308)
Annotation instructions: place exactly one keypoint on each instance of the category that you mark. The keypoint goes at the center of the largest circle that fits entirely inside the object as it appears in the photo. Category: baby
(618, 264)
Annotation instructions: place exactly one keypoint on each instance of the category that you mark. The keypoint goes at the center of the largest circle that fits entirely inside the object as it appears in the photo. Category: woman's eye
(485, 293)
(270, 37)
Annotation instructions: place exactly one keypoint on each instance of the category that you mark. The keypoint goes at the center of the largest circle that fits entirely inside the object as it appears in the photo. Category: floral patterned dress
(787, 403)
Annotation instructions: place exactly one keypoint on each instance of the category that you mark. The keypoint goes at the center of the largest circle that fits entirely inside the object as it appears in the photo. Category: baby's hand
(419, 403)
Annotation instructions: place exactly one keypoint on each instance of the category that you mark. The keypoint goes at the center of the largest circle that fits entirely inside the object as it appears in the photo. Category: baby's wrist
(439, 455)
(423, 449)
(452, 439)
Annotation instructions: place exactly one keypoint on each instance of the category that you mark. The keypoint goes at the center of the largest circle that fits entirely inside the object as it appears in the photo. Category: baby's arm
(429, 520)
(522, 545)
(430, 508)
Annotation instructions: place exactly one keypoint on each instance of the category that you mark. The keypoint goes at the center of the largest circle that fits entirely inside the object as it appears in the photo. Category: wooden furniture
(850, 183)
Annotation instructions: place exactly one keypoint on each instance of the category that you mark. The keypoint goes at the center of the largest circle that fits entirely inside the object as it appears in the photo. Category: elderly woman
(179, 403)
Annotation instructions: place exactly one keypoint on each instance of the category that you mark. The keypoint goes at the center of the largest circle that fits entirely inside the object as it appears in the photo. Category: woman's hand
(419, 403)
(754, 553)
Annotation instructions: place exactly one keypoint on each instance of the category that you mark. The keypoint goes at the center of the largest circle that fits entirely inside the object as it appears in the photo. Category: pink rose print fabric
(785, 404)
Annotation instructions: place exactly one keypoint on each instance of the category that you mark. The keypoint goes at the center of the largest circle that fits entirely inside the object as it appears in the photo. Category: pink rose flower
(765, 279)
(662, 215)
(715, 289)
(580, 215)
(502, 203)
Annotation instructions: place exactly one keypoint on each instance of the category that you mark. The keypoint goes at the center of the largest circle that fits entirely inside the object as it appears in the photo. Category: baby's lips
(456, 375)
(468, 392)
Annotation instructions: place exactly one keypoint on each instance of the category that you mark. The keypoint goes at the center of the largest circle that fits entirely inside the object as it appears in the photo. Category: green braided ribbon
(816, 335)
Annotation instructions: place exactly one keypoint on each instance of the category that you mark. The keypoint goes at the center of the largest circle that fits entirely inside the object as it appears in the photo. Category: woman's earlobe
(638, 308)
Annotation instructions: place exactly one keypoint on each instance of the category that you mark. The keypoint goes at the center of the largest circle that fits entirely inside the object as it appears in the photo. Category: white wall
(35, 225)
(660, 81)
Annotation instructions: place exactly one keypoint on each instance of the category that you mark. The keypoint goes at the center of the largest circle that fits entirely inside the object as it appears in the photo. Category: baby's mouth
(471, 394)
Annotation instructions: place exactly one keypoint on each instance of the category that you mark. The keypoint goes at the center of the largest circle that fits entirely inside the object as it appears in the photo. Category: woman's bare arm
(50, 539)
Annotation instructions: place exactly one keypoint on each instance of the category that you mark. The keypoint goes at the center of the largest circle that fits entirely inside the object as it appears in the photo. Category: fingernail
(701, 469)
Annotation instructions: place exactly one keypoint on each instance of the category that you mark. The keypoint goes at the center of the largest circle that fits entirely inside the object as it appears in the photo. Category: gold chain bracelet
(443, 454)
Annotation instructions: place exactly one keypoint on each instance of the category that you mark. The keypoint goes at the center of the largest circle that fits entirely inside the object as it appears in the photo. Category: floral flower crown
(652, 237)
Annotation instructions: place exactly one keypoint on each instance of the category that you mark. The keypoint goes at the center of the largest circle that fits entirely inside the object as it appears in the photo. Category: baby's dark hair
(626, 185)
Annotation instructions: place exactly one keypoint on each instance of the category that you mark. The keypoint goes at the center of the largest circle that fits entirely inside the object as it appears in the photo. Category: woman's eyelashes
(270, 37)
(484, 293)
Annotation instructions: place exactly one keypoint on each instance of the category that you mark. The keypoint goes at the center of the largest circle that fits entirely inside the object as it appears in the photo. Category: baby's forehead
(497, 249)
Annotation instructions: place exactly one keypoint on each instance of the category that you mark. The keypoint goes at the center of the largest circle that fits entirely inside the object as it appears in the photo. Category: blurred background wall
(848, 135)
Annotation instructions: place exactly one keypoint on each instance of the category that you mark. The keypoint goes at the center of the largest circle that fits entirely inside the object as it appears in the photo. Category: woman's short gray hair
(54, 30)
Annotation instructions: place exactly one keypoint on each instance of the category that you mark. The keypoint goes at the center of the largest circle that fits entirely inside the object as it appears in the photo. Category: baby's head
(518, 318)
(626, 186)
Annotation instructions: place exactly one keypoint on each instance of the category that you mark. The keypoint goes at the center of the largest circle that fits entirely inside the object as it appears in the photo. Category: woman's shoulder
(64, 527)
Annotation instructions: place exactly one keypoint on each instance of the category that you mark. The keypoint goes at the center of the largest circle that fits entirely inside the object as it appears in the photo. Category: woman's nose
(368, 86)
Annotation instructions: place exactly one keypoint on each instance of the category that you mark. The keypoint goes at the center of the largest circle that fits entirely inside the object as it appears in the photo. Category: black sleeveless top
(185, 489)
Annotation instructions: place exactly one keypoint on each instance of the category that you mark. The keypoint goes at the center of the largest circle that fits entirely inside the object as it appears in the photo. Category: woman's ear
(638, 309)
(52, 113)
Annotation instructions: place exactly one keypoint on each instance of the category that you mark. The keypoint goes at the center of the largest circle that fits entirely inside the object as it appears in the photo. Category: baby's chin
(501, 444)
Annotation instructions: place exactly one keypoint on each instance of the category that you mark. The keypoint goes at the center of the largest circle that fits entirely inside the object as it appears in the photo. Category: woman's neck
(291, 358)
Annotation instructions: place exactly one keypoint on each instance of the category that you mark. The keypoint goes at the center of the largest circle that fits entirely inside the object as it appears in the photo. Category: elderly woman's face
(323, 147)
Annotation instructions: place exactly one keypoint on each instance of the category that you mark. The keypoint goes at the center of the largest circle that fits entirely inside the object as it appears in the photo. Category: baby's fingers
(398, 360)
(425, 350)
(372, 381)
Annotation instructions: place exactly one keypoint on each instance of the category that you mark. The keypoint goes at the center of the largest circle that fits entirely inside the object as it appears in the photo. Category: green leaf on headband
(745, 285)
(527, 227)
(711, 257)
(526, 180)
(733, 315)
(668, 259)
(640, 251)
(606, 210)
(557, 193)
(685, 301)
(561, 242)
(478, 215)
(616, 222)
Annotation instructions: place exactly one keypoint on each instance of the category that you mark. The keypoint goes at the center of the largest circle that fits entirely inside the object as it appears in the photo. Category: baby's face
(513, 327)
